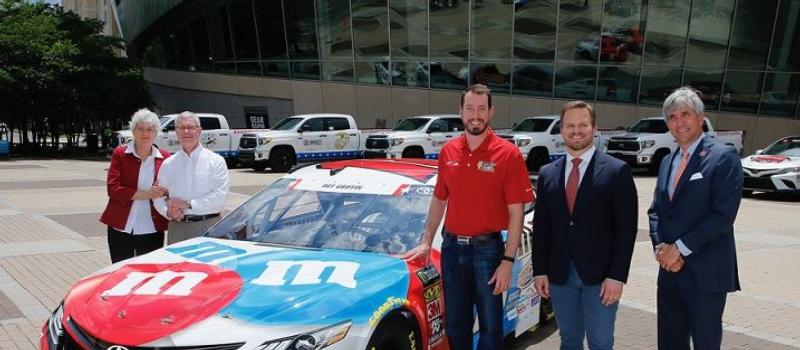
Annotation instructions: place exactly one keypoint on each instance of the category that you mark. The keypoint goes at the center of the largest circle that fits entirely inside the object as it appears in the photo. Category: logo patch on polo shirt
(453, 163)
(486, 166)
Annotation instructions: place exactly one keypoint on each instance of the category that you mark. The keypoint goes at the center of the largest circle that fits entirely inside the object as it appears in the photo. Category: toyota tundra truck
(648, 141)
(415, 137)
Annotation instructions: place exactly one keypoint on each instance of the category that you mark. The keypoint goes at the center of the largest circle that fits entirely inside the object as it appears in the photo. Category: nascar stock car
(313, 261)
(775, 168)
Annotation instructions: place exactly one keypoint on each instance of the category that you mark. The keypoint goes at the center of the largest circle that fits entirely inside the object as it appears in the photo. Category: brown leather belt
(196, 218)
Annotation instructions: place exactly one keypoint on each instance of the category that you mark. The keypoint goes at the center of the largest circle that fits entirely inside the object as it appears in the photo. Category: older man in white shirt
(197, 181)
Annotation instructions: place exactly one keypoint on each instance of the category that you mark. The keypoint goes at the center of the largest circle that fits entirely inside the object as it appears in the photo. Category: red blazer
(122, 183)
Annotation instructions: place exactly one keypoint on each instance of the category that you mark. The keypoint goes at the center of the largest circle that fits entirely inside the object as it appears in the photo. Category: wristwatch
(509, 259)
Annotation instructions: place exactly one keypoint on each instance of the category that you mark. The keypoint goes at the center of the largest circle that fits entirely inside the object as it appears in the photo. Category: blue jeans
(580, 312)
(466, 271)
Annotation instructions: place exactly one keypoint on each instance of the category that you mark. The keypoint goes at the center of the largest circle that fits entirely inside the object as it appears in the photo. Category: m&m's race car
(775, 168)
(313, 261)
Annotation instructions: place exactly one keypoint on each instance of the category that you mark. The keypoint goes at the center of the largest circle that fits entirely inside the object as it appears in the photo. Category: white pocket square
(696, 176)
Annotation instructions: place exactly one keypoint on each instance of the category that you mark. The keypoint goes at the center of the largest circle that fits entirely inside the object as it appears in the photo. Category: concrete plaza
(50, 237)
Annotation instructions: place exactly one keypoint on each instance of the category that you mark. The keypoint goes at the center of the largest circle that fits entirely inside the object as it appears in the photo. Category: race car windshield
(786, 147)
(364, 222)
(533, 125)
(410, 124)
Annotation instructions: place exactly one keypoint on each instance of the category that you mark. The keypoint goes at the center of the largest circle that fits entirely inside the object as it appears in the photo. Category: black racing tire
(536, 159)
(281, 160)
(655, 163)
(393, 333)
(413, 152)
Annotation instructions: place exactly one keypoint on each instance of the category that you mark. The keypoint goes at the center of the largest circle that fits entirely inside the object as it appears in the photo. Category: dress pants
(123, 245)
(684, 314)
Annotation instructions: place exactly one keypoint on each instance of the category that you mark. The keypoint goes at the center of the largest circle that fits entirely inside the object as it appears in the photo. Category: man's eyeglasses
(186, 127)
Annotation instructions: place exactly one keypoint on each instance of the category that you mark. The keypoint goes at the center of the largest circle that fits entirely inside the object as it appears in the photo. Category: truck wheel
(393, 333)
(536, 159)
(413, 152)
(656, 161)
(281, 160)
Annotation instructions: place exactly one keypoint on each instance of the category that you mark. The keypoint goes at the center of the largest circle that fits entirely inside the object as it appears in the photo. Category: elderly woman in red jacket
(134, 226)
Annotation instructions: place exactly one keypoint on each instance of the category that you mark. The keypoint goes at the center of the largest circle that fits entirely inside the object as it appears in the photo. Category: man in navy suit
(691, 225)
(584, 228)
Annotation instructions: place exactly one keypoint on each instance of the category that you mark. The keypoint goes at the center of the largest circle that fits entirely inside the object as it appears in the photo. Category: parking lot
(50, 237)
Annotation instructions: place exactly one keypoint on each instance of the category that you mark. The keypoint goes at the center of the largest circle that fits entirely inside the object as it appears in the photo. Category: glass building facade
(743, 55)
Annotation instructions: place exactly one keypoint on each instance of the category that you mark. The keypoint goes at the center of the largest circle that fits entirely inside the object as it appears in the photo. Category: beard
(476, 130)
(578, 145)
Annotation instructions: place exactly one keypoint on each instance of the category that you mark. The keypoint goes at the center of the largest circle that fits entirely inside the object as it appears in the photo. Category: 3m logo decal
(143, 283)
(308, 272)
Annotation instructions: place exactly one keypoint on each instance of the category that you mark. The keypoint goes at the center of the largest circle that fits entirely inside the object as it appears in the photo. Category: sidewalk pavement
(50, 237)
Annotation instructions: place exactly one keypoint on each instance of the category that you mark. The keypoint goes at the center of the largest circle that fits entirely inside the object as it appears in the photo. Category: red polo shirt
(478, 185)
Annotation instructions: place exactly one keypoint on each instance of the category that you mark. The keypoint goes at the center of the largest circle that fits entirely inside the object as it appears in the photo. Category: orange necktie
(679, 172)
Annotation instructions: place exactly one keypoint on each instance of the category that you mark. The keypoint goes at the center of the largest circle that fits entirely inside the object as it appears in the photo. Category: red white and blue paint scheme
(775, 168)
(313, 261)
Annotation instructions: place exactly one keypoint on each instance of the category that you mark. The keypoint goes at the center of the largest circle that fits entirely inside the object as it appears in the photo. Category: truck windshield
(533, 125)
(364, 222)
(287, 124)
(786, 147)
(410, 124)
(651, 126)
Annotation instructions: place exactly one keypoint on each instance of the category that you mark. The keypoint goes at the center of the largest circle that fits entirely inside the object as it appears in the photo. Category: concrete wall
(376, 106)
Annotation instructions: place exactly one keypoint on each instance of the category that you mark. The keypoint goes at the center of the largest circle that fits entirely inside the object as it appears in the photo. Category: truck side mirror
(304, 128)
(434, 128)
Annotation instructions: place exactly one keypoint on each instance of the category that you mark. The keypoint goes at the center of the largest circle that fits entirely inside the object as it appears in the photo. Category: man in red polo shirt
(484, 184)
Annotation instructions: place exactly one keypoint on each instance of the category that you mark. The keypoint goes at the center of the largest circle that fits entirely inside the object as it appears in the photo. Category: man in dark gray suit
(695, 203)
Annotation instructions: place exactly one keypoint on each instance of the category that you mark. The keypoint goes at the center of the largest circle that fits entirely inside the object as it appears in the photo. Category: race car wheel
(394, 333)
(281, 160)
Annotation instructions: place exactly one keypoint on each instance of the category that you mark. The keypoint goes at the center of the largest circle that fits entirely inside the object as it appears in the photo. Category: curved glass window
(301, 31)
(496, 76)
(408, 20)
(449, 75)
(414, 74)
(449, 22)
(741, 92)
(490, 33)
(709, 31)
(534, 31)
(752, 28)
(618, 83)
(579, 31)
(333, 23)
(666, 38)
(371, 30)
(533, 79)
(786, 42)
(575, 82)
(622, 36)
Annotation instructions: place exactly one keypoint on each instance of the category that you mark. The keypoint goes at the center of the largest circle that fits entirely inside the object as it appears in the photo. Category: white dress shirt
(586, 157)
(139, 220)
(199, 178)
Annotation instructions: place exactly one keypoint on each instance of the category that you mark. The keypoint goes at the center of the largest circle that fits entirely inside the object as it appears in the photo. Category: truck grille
(623, 145)
(247, 142)
(379, 143)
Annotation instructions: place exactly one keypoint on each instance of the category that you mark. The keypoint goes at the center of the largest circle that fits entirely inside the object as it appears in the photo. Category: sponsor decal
(525, 276)
(770, 159)
(434, 309)
(452, 163)
(401, 190)
(340, 140)
(486, 166)
(312, 142)
(428, 275)
(390, 304)
(433, 292)
(436, 332)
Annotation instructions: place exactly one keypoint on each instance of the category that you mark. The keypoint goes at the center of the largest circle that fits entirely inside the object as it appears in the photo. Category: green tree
(59, 75)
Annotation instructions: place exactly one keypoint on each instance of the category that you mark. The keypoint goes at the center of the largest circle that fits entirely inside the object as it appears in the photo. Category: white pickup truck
(648, 141)
(216, 136)
(539, 139)
(306, 137)
(415, 137)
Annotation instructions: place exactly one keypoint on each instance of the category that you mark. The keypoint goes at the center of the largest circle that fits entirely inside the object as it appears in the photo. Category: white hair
(683, 97)
(187, 115)
(145, 116)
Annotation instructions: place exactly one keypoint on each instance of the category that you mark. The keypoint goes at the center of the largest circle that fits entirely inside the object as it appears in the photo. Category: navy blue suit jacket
(598, 236)
(701, 215)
